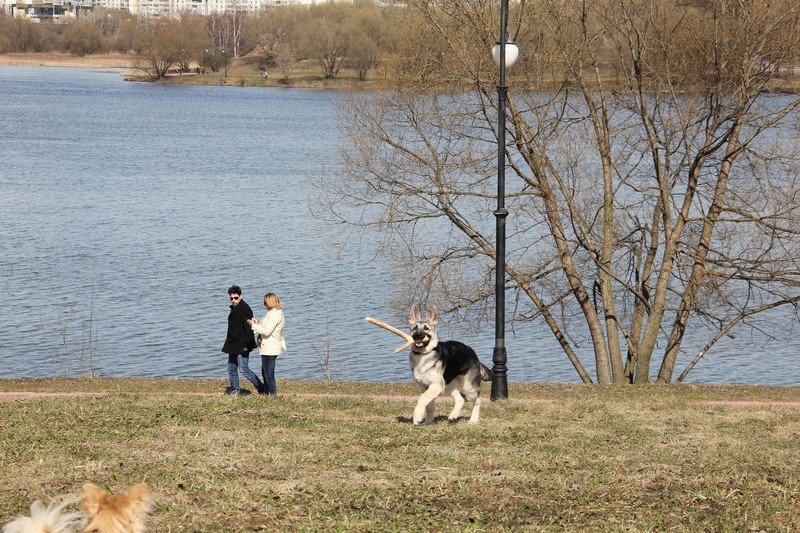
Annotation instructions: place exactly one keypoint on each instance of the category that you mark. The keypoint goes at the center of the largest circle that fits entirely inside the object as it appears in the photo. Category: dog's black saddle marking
(456, 358)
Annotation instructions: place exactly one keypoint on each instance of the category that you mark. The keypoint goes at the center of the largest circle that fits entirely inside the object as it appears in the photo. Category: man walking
(239, 343)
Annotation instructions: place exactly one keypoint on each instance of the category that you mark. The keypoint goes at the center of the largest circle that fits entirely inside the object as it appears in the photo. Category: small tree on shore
(160, 46)
(327, 42)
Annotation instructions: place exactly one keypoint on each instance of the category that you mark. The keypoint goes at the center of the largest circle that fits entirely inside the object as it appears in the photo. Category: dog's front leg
(425, 405)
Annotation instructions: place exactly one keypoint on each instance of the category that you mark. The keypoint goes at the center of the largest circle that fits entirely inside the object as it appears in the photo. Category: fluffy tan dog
(105, 513)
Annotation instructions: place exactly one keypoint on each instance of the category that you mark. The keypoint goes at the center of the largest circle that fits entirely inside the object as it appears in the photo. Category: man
(239, 343)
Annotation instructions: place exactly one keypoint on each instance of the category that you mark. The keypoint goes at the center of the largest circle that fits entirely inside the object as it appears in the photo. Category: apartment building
(64, 10)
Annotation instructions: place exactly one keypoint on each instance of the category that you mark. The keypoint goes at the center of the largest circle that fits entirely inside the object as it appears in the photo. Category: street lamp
(504, 54)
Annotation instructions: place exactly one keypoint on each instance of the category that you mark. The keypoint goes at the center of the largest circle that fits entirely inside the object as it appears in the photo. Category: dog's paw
(452, 420)
(418, 422)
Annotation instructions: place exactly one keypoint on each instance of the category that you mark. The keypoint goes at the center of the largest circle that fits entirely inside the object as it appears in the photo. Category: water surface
(128, 209)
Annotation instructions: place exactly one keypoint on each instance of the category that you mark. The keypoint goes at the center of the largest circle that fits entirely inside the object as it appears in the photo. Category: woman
(270, 340)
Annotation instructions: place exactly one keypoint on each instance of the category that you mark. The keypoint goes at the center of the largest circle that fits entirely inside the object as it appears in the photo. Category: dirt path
(9, 396)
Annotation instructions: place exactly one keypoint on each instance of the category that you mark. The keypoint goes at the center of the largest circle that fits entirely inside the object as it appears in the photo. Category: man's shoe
(231, 392)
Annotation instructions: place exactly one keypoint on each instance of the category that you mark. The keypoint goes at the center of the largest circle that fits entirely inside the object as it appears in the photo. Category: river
(128, 209)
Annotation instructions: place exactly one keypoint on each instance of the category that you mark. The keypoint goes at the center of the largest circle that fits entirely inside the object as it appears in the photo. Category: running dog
(105, 513)
(443, 366)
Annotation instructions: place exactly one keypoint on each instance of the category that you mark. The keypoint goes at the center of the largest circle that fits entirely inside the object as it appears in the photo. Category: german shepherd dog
(438, 366)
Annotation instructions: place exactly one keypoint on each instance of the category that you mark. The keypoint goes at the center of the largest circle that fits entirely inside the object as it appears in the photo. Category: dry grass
(56, 59)
(344, 457)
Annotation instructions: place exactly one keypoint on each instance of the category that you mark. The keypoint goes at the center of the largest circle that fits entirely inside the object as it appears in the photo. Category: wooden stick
(393, 329)
(409, 340)
(403, 347)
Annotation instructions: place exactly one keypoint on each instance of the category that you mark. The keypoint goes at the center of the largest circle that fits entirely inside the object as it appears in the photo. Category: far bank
(244, 72)
(240, 72)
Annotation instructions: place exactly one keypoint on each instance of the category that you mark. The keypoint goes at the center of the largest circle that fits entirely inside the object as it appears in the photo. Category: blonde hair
(272, 301)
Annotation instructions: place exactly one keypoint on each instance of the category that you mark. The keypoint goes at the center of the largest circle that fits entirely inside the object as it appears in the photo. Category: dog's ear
(138, 499)
(433, 316)
(413, 316)
(93, 497)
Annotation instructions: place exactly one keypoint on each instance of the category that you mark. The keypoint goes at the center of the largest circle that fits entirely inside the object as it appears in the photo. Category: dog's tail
(486, 374)
(50, 518)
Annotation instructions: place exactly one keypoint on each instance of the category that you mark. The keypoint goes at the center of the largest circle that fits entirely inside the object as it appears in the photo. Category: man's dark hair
(235, 290)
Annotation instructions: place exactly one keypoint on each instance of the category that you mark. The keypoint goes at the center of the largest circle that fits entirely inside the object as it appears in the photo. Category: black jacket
(240, 335)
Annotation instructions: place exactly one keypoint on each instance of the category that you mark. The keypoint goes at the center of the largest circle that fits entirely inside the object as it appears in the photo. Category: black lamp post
(505, 54)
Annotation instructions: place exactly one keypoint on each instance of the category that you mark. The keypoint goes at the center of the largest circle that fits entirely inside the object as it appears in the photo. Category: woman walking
(270, 340)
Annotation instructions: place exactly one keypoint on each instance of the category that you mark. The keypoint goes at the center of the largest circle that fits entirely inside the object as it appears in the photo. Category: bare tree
(363, 53)
(326, 41)
(285, 58)
(160, 44)
(21, 35)
(653, 186)
(234, 19)
(224, 30)
(193, 41)
(366, 28)
(276, 34)
(84, 37)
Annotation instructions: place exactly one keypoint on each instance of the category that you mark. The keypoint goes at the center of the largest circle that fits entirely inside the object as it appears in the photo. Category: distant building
(64, 10)
(46, 11)
(173, 8)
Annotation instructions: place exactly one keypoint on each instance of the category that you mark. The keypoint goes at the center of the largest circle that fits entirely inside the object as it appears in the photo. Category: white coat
(270, 333)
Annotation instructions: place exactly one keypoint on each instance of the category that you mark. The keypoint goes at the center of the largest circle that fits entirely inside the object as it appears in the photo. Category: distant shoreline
(55, 59)
(240, 72)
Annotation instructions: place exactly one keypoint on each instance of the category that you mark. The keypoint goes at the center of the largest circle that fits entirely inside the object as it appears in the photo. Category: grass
(343, 456)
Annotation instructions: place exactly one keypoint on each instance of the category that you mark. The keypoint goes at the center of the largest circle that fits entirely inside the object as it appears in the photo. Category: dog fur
(104, 513)
(50, 519)
(116, 514)
(439, 367)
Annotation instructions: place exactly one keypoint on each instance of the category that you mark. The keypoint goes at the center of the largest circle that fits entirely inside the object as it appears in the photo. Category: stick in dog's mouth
(409, 340)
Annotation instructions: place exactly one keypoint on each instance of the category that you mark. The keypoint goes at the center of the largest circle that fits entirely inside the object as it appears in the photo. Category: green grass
(344, 457)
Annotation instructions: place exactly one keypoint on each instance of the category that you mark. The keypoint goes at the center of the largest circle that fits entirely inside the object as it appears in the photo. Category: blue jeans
(240, 363)
(268, 373)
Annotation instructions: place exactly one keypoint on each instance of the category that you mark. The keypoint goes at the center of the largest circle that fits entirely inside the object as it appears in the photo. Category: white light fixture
(512, 52)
